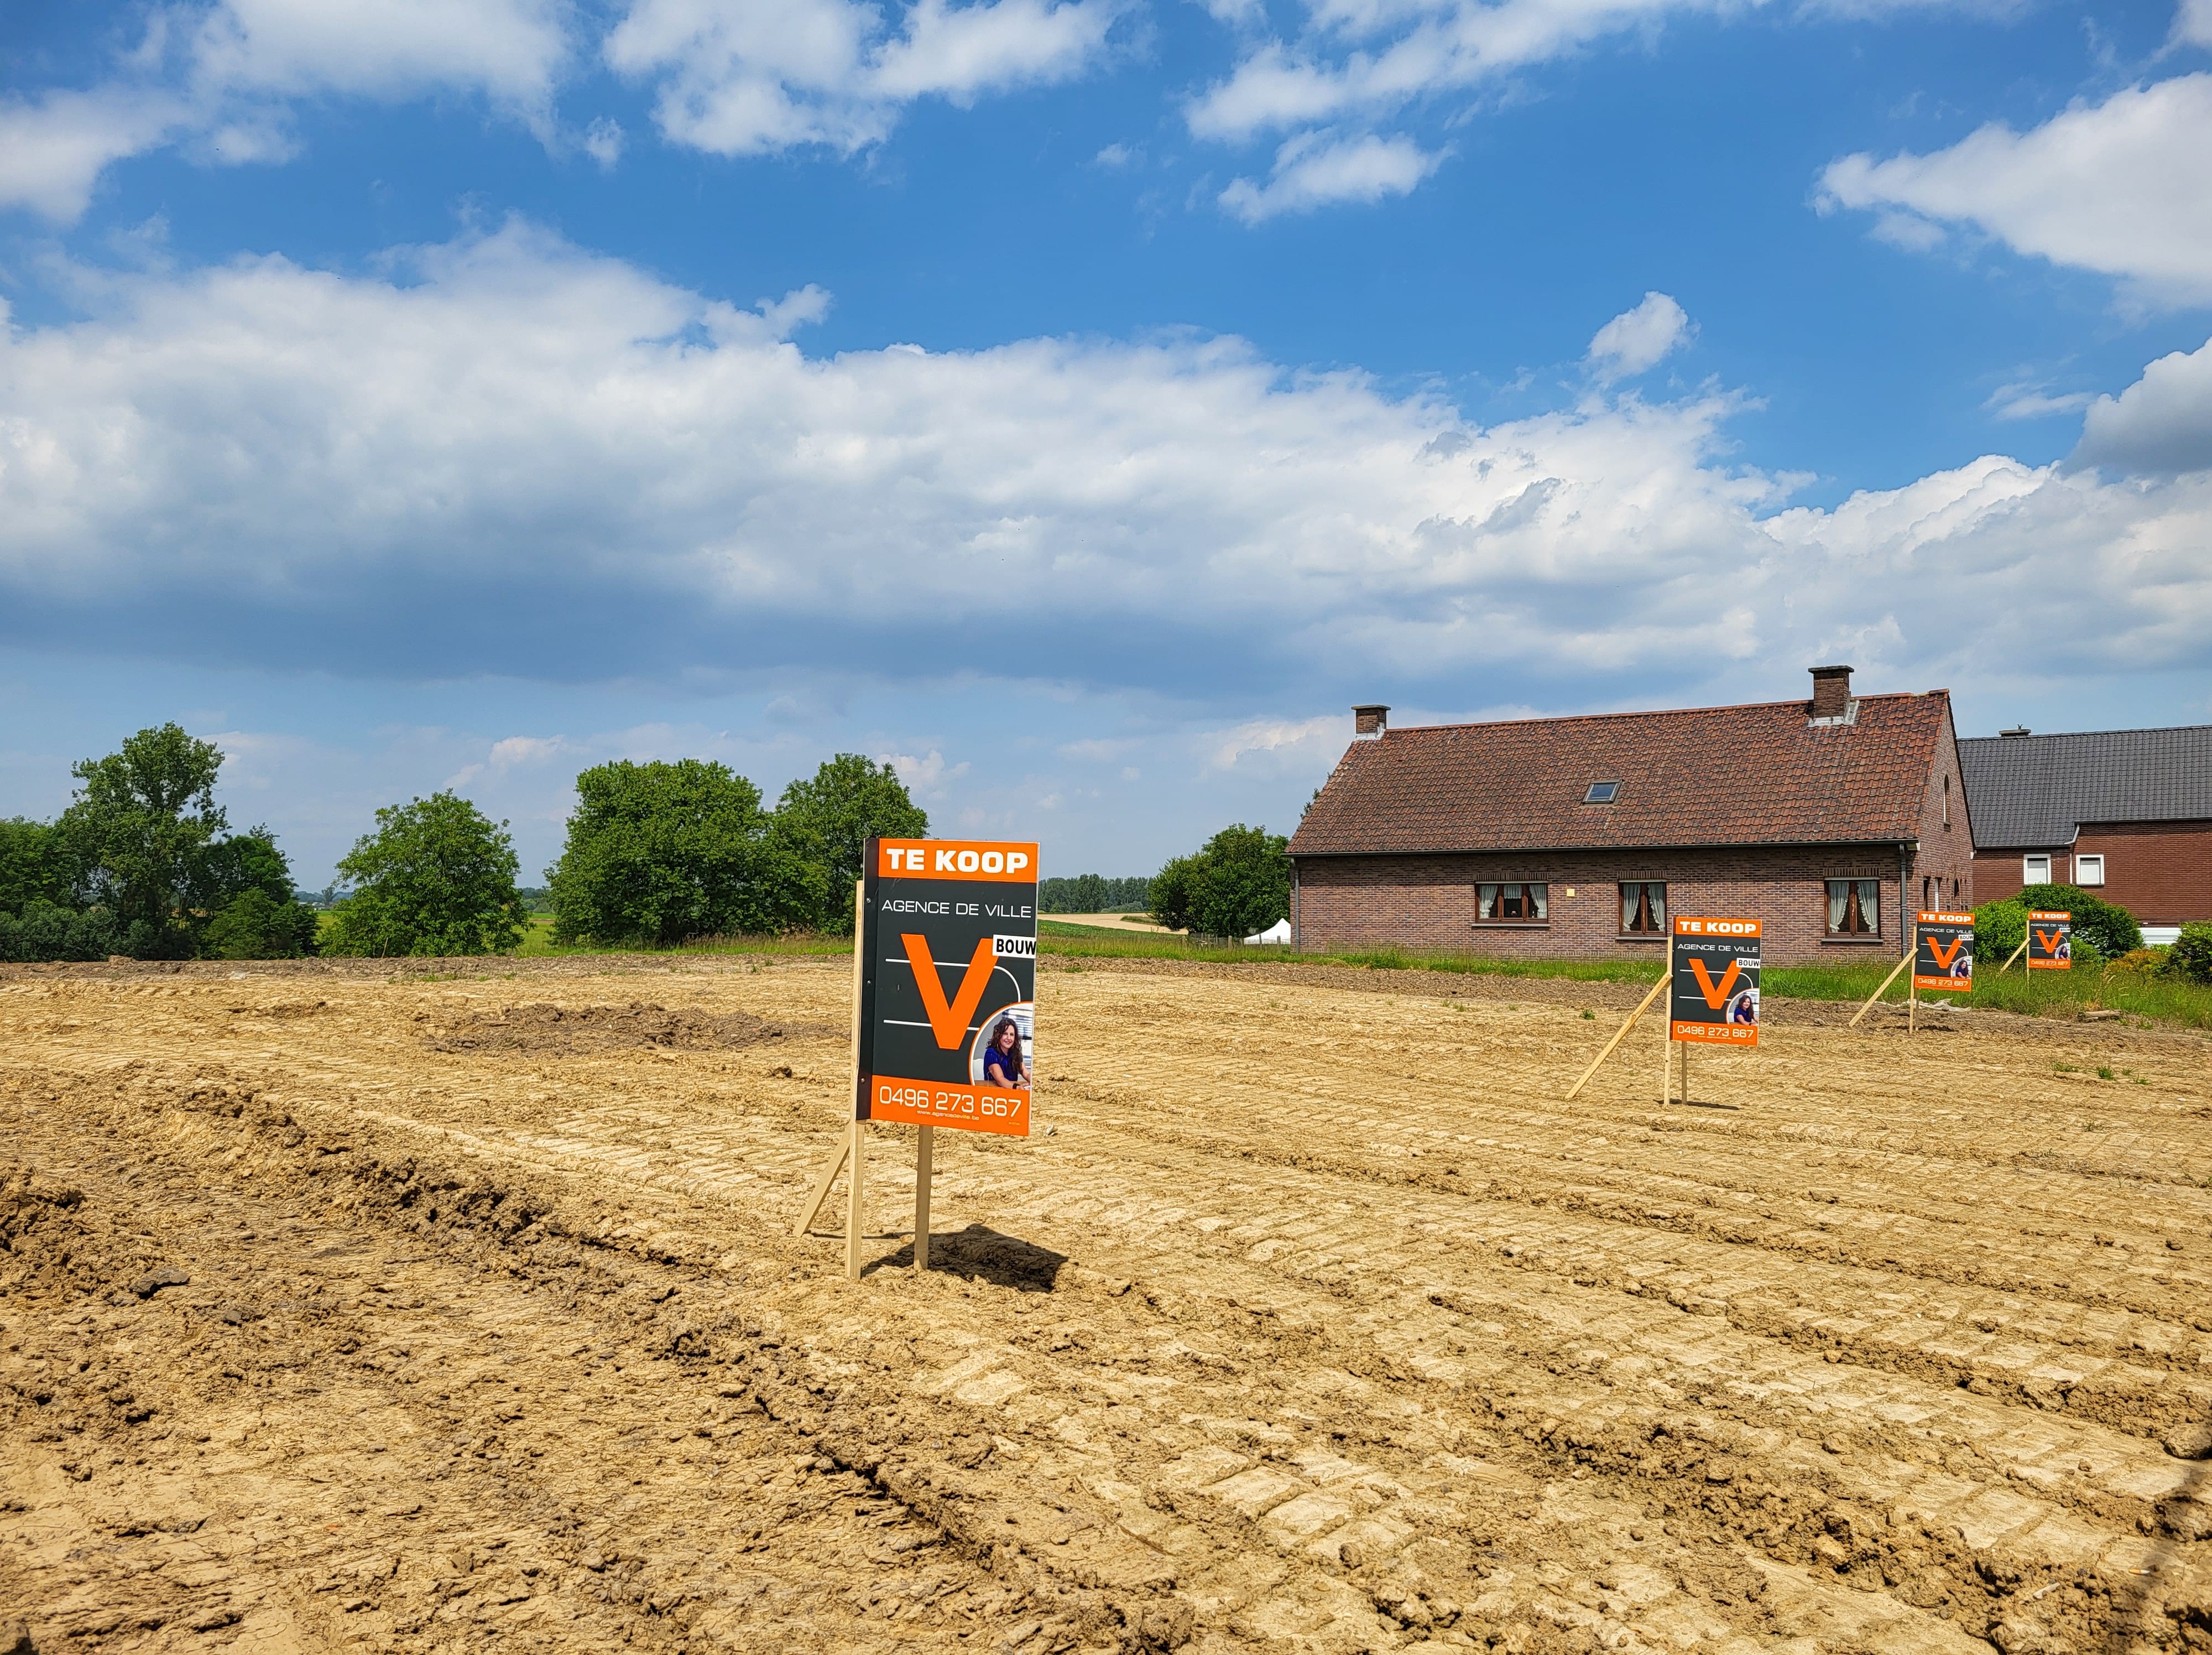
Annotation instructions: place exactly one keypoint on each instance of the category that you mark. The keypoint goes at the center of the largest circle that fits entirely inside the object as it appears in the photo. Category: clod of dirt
(16, 1638)
(166, 1275)
(2189, 1442)
(572, 1029)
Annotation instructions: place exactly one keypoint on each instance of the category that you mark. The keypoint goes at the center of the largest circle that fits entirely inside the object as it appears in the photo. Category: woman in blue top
(1003, 1062)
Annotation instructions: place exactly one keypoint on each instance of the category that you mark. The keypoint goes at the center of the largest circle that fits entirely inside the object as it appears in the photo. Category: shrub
(2189, 958)
(2140, 962)
(435, 878)
(1238, 883)
(254, 925)
(47, 931)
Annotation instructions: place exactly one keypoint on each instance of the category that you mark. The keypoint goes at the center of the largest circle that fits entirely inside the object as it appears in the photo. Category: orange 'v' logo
(948, 1022)
(2049, 940)
(1715, 993)
(1945, 955)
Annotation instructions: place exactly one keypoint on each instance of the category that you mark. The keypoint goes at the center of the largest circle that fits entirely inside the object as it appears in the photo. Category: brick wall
(1943, 871)
(1428, 901)
(2159, 872)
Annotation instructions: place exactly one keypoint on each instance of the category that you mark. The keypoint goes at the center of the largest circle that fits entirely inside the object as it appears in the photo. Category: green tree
(828, 820)
(2189, 958)
(45, 931)
(35, 865)
(435, 878)
(1174, 893)
(244, 888)
(661, 853)
(1238, 883)
(139, 828)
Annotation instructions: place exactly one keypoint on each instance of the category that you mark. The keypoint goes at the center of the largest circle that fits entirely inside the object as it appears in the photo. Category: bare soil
(456, 1308)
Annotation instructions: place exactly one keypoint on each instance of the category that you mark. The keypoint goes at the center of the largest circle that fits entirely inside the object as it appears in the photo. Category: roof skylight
(1601, 793)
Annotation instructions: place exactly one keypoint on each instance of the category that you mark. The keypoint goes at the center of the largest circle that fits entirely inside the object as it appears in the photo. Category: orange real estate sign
(1944, 951)
(2050, 940)
(1712, 992)
(948, 965)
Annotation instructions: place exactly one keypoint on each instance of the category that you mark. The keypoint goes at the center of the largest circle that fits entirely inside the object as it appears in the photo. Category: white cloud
(737, 78)
(2123, 187)
(603, 143)
(271, 466)
(926, 775)
(53, 150)
(2192, 24)
(1304, 740)
(221, 77)
(2025, 399)
(2160, 425)
(1638, 340)
(1318, 169)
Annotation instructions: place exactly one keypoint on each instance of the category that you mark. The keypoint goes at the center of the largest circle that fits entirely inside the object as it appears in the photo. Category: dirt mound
(541, 1029)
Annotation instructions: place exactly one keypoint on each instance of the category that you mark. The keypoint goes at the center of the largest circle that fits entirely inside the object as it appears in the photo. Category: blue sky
(1079, 402)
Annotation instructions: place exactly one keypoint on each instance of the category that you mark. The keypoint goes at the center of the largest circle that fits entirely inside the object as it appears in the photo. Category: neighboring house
(1828, 820)
(2125, 813)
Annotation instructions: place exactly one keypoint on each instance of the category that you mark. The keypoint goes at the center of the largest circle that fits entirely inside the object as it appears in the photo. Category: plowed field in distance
(458, 1309)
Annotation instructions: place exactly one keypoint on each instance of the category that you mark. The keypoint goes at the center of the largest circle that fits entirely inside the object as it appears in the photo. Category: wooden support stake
(1686, 1071)
(856, 1187)
(856, 1196)
(924, 1153)
(1667, 1037)
(1618, 1035)
(1880, 992)
(821, 1190)
(2016, 953)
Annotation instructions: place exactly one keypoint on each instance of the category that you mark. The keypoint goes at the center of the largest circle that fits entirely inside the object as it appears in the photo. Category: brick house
(2126, 813)
(1575, 838)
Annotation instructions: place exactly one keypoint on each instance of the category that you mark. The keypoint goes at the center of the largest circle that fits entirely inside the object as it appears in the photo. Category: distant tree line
(1089, 893)
(143, 863)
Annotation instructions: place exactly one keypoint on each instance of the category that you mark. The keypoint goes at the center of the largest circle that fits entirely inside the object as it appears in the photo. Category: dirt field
(448, 1312)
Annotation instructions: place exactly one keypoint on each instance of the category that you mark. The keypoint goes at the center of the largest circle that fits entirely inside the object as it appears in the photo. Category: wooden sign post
(943, 1007)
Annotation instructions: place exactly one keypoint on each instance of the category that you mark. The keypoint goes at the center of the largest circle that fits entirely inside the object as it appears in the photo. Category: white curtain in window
(1870, 904)
(1630, 895)
(1839, 891)
(1538, 896)
(1485, 906)
(1658, 905)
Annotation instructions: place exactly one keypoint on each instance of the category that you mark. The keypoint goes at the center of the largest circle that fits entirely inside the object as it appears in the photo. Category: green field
(2047, 994)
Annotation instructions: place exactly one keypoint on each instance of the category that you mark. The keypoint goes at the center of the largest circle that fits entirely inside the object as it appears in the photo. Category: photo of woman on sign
(1004, 1064)
(1744, 1006)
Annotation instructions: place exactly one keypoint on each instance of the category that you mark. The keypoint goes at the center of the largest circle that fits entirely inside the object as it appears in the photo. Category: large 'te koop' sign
(948, 983)
(1713, 991)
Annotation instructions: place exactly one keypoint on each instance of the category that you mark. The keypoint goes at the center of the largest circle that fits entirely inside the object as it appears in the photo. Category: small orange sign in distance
(1713, 993)
(2050, 940)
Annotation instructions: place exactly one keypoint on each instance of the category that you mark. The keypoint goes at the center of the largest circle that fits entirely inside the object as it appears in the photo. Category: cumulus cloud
(2161, 425)
(507, 441)
(2192, 24)
(1639, 340)
(53, 148)
(220, 77)
(2123, 187)
(744, 79)
(1316, 169)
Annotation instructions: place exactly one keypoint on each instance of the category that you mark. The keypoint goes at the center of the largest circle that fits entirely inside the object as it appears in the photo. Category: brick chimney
(1831, 692)
(1371, 720)
(2015, 732)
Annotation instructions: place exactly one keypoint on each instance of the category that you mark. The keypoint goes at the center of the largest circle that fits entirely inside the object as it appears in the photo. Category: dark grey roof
(2030, 792)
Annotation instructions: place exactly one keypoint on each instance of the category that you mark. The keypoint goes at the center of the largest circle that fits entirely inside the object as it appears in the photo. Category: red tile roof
(1708, 775)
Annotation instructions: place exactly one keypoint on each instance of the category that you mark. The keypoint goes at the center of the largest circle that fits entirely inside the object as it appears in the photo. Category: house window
(1854, 907)
(1946, 804)
(2088, 870)
(1926, 891)
(1601, 793)
(2035, 870)
(1644, 908)
(1512, 904)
